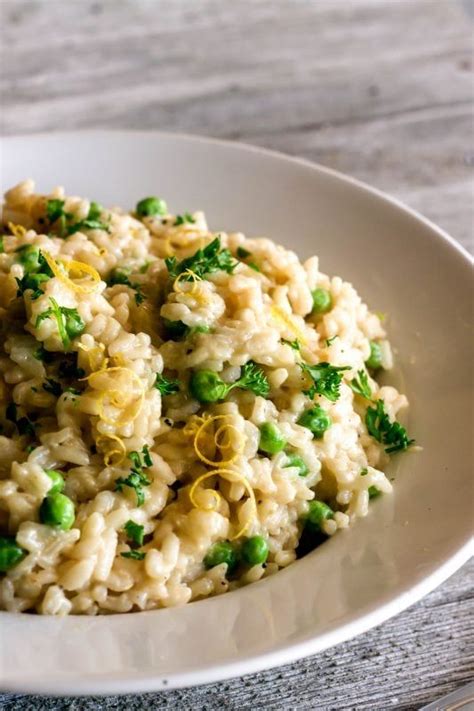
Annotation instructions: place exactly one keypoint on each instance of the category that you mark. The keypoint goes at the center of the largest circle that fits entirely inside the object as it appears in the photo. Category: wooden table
(378, 89)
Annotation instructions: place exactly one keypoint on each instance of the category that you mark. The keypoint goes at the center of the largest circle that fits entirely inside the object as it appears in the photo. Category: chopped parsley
(207, 386)
(183, 219)
(134, 555)
(56, 214)
(121, 276)
(43, 355)
(198, 329)
(165, 386)
(53, 387)
(55, 210)
(24, 425)
(383, 430)
(326, 379)
(296, 345)
(69, 369)
(243, 253)
(134, 532)
(37, 271)
(68, 321)
(360, 385)
(330, 340)
(137, 478)
(209, 259)
(2, 245)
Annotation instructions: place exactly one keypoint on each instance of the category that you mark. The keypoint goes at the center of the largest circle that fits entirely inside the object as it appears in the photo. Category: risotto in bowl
(183, 411)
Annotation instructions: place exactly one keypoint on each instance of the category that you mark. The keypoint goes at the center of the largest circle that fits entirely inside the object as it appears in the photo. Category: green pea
(57, 510)
(374, 361)
(57, 481)
(322, 301)
(10, 553)
(316, 420)
(255, 550)
(221, 552)
(151, 206)
(74, 324)
(207, 386)
(294, 460)
(29, 257)
(318, 511)
(271, 439)
(175, 329)
(373, 492)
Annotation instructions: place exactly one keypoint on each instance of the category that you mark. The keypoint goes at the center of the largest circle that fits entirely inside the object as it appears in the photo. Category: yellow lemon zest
(235, 477)
(86, 287)
(94, 353)
(119, 397)
(102, 443)
(221, 440)
(17, 230)
(283, 317)
(194, 291)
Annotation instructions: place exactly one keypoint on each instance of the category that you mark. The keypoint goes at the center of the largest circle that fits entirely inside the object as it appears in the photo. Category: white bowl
(411, 541)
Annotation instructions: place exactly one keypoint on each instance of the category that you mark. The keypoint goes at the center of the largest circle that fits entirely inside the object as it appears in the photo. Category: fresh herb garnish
(197, 329)
(296, 345)
(137, 479)
(134, 555)
(330, 340)
(326, 379)
(121, 276)
(383, 430)
(165, 386)
(243, 253)
(182, 219)
(37, 271)
(360, 385)
(55, 210)
(43, 355)
(211, 258)
(69, 369)
(53, 387)
(2, 245)
(208, 386)
(135, 532)
(24, 425)
(69, 323)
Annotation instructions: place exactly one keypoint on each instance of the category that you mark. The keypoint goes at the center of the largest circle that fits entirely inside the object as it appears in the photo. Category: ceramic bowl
(411, 541)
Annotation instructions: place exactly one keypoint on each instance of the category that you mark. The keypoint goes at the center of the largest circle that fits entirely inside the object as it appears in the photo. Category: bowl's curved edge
(144, 684)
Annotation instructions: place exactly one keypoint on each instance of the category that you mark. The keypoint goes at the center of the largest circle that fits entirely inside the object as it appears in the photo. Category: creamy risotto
(182, 412)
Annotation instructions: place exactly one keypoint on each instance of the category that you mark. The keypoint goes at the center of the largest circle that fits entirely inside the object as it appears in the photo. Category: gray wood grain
(380, 89)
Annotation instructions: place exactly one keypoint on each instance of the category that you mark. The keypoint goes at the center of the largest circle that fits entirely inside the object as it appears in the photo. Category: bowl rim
(136, 683)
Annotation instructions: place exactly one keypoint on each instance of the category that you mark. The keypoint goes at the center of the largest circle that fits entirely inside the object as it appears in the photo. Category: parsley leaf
(165, 386)
(135, 532)
(69, 323)
(134, 555)
(330, 340)
(243, 253)
(211, 258)
(254, 379)
(137, 478)
(121, 276)
(326, 379)
(383, 430)
(43, 355)
(55, 210)
(37, 271)
(296, 345)
(53, 387)
(182, 219)
(24, 425)
(361, 385)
